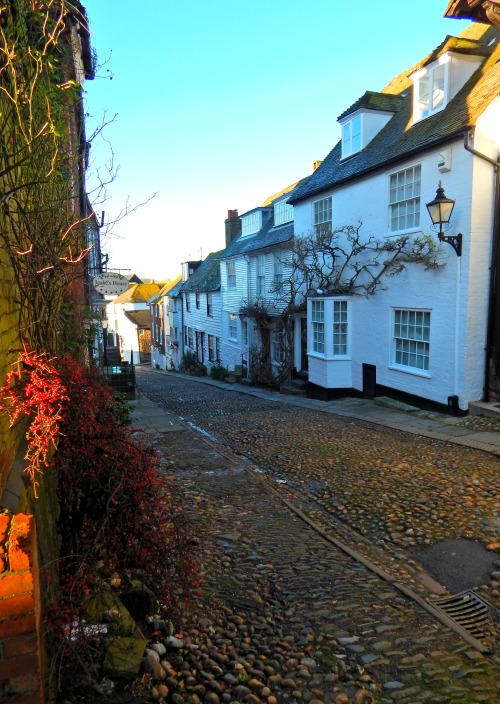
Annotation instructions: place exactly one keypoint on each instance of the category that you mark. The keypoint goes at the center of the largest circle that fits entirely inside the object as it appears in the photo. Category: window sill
(410, 370)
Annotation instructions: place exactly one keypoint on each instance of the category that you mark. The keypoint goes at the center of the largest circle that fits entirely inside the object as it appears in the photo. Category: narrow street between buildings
(309, 527)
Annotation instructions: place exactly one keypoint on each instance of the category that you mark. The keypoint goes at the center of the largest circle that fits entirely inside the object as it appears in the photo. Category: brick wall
(20, 669)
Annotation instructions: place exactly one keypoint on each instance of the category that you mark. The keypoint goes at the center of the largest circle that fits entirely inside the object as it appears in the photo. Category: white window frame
(318, 327)
(210, 304)
(231, 273)
(322, 211)
(340, 329)
(427, 101)
(190, 337)
(260, 284)
(232, 330)
(188, 303)
(197, 299)
(283, 212)
(412, 339)
(211, 348)
(405, 199)
(278, 345)
(251, 223)
(351, 136)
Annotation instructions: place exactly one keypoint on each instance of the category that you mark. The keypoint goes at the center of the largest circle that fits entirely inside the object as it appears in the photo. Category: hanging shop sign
(110, 284)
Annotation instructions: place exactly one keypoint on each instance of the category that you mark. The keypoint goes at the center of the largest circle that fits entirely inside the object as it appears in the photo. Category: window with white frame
(404, 199)
(233, 326)
(430, 94)
(190, 338)
(351, 136)
(185, 335)
(278, 346)
(278, 268)
(188, 304)
(217, 349)
(210, 306)
(318, 326)
(231, 274)
(283, 212)
(339, 328)
(251, 223)
(261, 276)
(412, 338)
(244, 332)
(197, 301)
(323, 216)
(211, 348)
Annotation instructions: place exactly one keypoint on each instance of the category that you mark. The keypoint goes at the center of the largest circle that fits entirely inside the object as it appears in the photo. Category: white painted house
(251, 267)
(201, 312)
(124, 328)
(428, 334)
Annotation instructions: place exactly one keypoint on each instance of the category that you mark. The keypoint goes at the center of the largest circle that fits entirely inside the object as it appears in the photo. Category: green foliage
(219, 373)
(188, 362)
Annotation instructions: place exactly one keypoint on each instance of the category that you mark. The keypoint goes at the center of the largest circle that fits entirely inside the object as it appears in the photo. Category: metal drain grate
(468, 610)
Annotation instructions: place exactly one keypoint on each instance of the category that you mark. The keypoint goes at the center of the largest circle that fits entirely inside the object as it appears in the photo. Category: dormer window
(436, 84)
(351, 136)
(283, 212)
(431, 89)
(251, 223)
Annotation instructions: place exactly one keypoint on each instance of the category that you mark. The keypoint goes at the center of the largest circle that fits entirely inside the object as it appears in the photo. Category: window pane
(411, 338)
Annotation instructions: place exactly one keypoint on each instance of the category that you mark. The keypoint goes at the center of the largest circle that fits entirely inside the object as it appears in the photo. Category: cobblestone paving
(287, 592)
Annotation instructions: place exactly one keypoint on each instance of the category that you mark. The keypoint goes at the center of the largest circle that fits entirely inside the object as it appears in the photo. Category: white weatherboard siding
(199, 321)
(455, 295)
(232, 298)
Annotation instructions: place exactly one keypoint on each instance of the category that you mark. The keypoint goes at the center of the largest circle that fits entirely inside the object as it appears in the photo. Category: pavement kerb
(356, 555)
(401, 420)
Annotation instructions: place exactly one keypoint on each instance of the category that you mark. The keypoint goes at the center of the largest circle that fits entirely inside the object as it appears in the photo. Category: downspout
(491, 337)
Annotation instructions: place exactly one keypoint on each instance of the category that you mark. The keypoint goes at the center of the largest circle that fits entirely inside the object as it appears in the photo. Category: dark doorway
(369, 380)
(304, 359)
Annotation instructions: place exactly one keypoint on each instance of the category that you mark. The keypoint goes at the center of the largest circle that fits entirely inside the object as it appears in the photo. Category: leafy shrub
(200, 370)
(219, 373)
(189, 362)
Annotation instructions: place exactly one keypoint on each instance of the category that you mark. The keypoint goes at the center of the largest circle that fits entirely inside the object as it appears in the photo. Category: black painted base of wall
(323, 394)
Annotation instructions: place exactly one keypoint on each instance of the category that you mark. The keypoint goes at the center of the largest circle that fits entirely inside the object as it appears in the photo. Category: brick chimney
(233, 226)
(316, 164)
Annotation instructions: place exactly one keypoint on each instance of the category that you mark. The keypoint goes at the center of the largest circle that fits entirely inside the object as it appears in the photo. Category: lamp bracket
(454, 240)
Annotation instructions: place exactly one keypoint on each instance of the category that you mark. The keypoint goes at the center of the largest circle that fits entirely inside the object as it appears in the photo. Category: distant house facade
(424, 334)
(124, 325)
(253, 266)
(201, 301)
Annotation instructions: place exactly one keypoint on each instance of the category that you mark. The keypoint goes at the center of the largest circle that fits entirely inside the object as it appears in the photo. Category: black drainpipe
(493, 334)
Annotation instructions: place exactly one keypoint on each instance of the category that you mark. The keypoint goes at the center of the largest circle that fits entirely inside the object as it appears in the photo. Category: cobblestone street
(298, 618)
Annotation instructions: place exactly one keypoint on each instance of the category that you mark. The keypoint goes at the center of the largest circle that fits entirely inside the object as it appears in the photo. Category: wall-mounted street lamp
(440, 210)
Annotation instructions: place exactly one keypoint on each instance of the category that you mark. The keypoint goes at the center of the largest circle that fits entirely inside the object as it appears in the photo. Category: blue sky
(220, 104)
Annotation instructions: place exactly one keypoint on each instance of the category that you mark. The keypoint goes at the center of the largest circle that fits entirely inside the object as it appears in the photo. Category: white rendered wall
(455, 295)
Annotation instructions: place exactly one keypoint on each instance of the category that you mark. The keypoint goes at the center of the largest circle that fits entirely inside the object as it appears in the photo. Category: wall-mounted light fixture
(440, 210)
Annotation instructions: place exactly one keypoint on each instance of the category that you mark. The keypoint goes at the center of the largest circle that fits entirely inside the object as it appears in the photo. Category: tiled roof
(175, 290)
(141, 318)
(206, 277)
(374, 101)
(159, 296)
(268, 236)
(138, 293)
(399, 139)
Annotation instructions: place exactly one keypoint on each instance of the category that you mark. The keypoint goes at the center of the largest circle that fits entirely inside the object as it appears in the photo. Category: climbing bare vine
(329, 262)
(42, 155)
